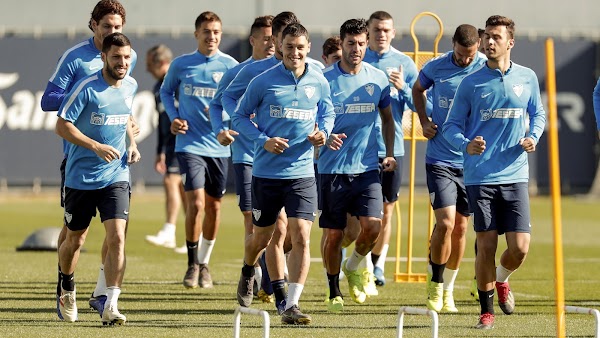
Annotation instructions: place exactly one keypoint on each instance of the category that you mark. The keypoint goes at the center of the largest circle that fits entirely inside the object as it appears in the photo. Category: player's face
(208, 36)
(332, 58)
(463, 56)
(381, 34)
(117, 62)
(496, 42)
(262, 42)
(295, 49)
(110, 23)
(277, 41)
(353, 49)
(152, 67)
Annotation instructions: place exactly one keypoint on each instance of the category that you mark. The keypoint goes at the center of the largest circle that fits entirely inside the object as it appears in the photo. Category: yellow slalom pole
(555, 189)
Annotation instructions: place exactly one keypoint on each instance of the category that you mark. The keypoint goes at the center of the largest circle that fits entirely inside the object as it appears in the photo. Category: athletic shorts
(503, 207)
(298, 196)
(202, 172)
(358, 195)
(447, 187)
(171, 161)
(80, 205)
(391, 180)
(243, 185)
(63, 166)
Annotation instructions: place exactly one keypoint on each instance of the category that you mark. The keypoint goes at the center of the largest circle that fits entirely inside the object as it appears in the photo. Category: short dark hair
(114, 39)
(499, 20)
(465, 35)
(261, 22)
(282, 20)
(380, 15)
(332, 45)
(160, 53)
(480, 32)
(105, 7)
(207, 16)
(353, 27)
(295, 30)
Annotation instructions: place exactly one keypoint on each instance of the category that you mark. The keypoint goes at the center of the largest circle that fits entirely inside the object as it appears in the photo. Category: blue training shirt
(195, 76)
(441, 76)
(401, 99)
(285, 107)
(495, 106)
(596, 103)
(100, 112)
(356, 99)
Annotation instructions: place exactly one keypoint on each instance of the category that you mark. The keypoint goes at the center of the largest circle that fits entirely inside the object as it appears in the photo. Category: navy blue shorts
(80, 205)
(358, 195)
(503, 207)
(243, 185)
(171, 161)
(447, 187)
(391, 180)
(63, 166)
(298, 196)
(201, 172)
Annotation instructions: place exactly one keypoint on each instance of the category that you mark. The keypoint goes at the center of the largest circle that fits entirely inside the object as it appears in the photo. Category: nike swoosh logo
(95, 67)
(126, 212)
(104, 105)
(445, 80)
(483, 96)
(277, 93)
(314, 214)
(339, 93)
(189, 75)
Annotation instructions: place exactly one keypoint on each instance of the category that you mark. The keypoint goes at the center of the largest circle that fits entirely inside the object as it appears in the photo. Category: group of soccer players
(306, 141)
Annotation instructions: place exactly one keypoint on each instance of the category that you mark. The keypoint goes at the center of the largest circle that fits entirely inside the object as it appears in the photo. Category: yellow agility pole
(555, 188)
(414, 133)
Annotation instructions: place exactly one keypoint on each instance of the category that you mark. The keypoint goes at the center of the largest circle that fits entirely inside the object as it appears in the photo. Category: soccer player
(79, 61)
(158, 60)
(293, 110)
(94, 118)
(262, 47)
(202, 160)
(487, 124)
(332, 50)
(349, 177)
(402, 74)
(274, 257)
(443, 164)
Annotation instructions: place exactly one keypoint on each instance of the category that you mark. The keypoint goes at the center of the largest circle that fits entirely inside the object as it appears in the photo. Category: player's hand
(133, 154)
(389, 164)
(528, 144)
(226, 137)
(397, 78)
(160, 164)
(107, 153)
(317, 138)
(476, 146)
(135, 127)
(179, 126)
(335, 141)
(429, 129)
(276, 145)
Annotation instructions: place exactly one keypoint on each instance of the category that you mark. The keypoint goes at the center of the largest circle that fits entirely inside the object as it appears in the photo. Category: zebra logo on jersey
(518, 89)
(309, 91)
(216, 76)
(370, 89)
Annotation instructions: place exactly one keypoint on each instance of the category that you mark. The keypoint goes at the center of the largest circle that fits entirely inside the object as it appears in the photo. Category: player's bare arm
(69, 132)
(420, 102)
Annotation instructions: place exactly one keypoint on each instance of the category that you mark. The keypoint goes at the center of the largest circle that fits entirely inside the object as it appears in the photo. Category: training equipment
(237, 318)
(355, 286)
(204, 277)
(190, 280)
(486, 322)
(112, 316)
(379, 277)
(45, 239)
(264, 297)
(293, 315)
(449, 305)
(97, 303)
(67, 305)
(368, 282)
(594, 312)
(336, 304)
(506, 300)
(417, 311)
(435, 293)
(244, 290)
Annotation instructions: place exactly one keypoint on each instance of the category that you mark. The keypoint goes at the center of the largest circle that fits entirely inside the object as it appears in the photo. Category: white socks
(205, 250)
(449, 278)
(112, 295)
(502, 274)
(354, 260)
(100, 289)
(168, 229)
(293, 295)
(381, 261)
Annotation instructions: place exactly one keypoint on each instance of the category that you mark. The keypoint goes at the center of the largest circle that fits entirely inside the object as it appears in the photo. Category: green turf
(156, 304)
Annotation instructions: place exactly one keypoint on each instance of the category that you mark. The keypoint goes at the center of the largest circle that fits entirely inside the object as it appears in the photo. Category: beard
(114, 74)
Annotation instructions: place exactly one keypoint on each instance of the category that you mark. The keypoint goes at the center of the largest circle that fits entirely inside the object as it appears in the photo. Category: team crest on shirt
(97, 119)
(309, 91)
(486, 114)
(216, 76)
(338, 108)
(518, 89)
(370, 89)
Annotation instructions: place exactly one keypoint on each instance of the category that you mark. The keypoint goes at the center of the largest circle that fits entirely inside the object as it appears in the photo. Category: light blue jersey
(195, 77)
(356, 99)
(100, 112)
(495, 106)
(401, 99)
(442, 76)
(289, 108)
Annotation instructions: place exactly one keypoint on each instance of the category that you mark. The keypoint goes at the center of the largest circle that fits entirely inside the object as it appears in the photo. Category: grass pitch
(157, 305)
